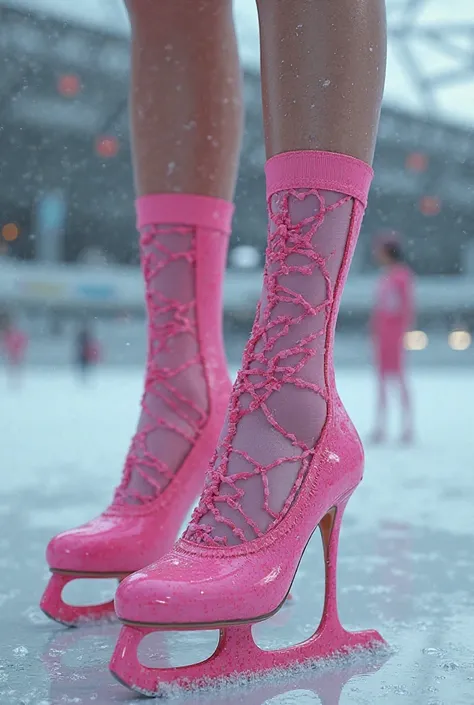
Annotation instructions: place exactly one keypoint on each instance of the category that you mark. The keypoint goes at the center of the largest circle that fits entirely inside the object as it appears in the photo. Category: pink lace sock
(278, 406)
(176, 398)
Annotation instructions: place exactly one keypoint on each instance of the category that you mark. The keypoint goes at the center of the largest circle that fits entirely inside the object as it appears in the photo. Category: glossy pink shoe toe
(183, 588)
(114, 543)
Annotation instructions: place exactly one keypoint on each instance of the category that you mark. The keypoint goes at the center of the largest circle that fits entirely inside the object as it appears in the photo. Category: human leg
(288, 457)
(186, 118)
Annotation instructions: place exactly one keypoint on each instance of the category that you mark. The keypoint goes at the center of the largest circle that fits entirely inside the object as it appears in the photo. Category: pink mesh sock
(176, 398)
(277, 410)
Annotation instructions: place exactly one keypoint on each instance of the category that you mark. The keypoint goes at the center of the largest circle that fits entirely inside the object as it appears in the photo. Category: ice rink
(406, 564)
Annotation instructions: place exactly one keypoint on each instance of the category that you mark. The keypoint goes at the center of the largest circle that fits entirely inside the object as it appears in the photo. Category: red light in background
(69, 85)
(430, 205)
(417, 161)
(107, 147)
(10, 232)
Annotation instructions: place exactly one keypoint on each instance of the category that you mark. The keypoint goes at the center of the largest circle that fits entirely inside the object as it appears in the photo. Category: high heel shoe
(130, 535)
(236, 653)
(203, 582)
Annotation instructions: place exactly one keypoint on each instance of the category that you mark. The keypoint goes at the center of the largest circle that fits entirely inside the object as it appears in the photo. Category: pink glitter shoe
(183, 407)
(288, 458)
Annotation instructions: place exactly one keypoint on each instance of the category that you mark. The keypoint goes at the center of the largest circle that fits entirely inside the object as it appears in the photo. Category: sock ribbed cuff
(184, 209)
(319, 170)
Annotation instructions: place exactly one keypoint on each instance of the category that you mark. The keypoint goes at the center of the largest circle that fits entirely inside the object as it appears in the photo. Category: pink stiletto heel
(280, 471)
(143, 521)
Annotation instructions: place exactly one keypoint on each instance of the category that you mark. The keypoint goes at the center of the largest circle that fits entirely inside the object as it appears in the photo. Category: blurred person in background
(87, 350)
(392, 317)
(14, 343)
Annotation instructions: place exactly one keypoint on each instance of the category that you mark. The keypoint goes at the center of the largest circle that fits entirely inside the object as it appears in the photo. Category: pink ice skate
(185, 352)
(288, 458)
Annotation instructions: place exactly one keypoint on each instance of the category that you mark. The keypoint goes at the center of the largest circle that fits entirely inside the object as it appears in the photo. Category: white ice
(405, 562)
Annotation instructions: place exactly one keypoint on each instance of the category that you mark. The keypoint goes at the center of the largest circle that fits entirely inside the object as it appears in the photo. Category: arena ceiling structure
(63, 125)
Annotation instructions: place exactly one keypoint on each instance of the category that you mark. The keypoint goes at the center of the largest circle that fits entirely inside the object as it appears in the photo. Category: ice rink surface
(406, 564)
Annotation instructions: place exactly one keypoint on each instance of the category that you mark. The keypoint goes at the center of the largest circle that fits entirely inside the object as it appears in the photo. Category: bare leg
(407, 423)
(378, 434)
(186, 97)
(187, 110)
(186, 126)
(14, 371)
(323, 71)
(323, 67)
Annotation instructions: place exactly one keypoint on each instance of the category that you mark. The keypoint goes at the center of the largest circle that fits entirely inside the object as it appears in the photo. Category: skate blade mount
(57, 609)
(327, 682)
(237, 657)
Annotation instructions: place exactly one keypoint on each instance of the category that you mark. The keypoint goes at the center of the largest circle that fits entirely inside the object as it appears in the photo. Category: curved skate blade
(237, 656)
(56, 608)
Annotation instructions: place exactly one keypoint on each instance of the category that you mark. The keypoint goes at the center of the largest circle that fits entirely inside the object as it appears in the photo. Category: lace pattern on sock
(174, 405)
(279, 395)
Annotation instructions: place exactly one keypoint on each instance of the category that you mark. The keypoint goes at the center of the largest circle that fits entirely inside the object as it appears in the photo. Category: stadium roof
(430, 60)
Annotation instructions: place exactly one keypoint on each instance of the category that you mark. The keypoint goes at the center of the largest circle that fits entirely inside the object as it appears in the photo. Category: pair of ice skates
(236, 562)
(195, 586)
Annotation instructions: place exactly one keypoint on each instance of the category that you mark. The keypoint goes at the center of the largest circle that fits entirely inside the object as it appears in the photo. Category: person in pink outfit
(87, 350)
(392, 317)
(14, 344)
